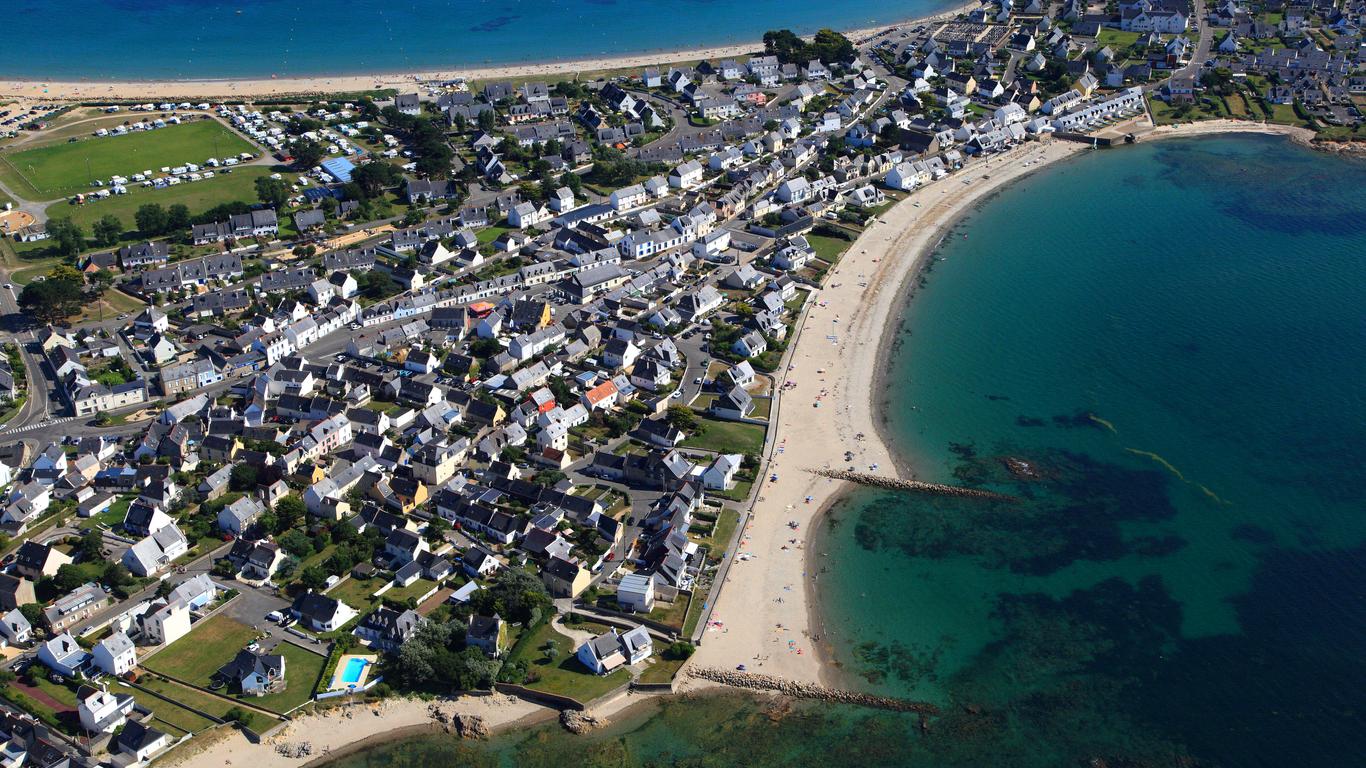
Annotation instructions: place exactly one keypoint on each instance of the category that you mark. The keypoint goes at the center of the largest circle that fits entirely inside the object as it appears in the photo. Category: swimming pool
(354, 671)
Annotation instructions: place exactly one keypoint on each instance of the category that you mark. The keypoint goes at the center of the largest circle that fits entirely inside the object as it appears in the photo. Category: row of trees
(828, 45)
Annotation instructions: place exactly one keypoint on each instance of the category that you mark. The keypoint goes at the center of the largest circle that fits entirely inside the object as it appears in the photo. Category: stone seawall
(759, 682)
(915, 486)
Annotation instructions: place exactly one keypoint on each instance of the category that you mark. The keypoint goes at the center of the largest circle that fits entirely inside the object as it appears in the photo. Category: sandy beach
(763, 618)
(344, 728)
(245, 88)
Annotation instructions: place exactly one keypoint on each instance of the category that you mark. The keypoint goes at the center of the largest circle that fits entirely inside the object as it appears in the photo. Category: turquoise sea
(1173, 337)
(179, 39)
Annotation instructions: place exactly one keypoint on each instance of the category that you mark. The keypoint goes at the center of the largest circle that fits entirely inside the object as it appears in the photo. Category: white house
(101, 711)
(115, 654)
(903, 176)
(154, 553)
(628, 197)
(612, 650)
(527, 214)
(167, 624)
(636, 592)
(720, 476)
(63, 655)
(686, 176)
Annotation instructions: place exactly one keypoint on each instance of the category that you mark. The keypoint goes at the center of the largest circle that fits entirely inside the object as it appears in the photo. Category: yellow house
(564, 579)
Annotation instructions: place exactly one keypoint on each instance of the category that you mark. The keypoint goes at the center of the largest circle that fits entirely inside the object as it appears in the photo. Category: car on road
(697, 380)
(274, 616)
(9, 287)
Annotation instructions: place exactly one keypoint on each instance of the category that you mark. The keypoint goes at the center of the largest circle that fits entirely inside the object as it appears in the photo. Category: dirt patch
(13, 221)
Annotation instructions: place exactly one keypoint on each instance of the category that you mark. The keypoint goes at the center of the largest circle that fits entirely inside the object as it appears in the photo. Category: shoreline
(893, 261)
(838, 406)
(213, 88)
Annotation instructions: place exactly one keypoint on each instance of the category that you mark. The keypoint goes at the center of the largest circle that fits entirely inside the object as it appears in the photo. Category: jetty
(759, 682)
(914, 486)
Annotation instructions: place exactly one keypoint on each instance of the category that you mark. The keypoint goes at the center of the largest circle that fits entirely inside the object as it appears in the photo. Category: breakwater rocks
(915, 486)
(800, 690)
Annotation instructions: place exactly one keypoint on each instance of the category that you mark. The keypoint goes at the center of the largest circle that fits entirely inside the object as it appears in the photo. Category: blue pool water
(355, 667)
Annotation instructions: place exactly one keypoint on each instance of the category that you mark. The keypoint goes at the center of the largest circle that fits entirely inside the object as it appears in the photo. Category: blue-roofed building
(315, 194)
(339, 168)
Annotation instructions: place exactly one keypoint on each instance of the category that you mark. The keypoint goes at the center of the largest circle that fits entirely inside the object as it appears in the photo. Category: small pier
(799, 690)
(914, 486)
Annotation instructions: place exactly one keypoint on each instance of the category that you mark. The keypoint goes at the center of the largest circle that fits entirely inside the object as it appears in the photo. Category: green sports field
(59, 170)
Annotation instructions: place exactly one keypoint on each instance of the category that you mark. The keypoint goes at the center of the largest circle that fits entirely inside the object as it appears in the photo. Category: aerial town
(470, 386)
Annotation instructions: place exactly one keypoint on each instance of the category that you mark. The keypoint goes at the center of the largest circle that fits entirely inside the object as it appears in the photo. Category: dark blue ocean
(178, 39)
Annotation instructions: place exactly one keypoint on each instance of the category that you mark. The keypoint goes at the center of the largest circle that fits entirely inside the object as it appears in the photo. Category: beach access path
(763, 618)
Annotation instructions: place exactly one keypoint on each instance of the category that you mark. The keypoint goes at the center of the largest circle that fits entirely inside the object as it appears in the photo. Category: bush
(679, 650)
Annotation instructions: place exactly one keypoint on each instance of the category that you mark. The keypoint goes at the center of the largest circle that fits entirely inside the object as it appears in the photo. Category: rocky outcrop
(916, 486)
(464, 725)
(801, 690)
(579, 722)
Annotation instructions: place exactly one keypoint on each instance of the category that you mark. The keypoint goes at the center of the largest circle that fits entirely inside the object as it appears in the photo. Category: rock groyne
(800, 690)
(914, 486)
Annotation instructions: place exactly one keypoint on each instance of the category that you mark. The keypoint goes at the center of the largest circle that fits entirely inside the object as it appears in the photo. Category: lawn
(198, 196)
(722, 531)
(489, 234)
(828, 249)
(179, 717)
(110, 305)
(355, 592)
(1116, 39)
(661, 670)
(197, 656)
(416, 589)
(565, 674)
(190, 697)
(302, 669)
(65, 169)
(1284, 113)
(727, 437)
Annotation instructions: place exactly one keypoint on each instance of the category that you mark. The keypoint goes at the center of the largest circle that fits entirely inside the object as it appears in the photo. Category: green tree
(67, 235)
(53, 299)
(272, 192)
(682, 417)
(296, 543)
(177, 218)
(377, 285)
(33, 612)
(151, 219)
(307, 153)
(516, 595)
(289, 512)
(313, 578)
(245, 477)
(107, 230)
(373, 178)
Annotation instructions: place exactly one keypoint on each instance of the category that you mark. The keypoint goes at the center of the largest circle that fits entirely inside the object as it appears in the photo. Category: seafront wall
(916, 486)
(799, 690)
